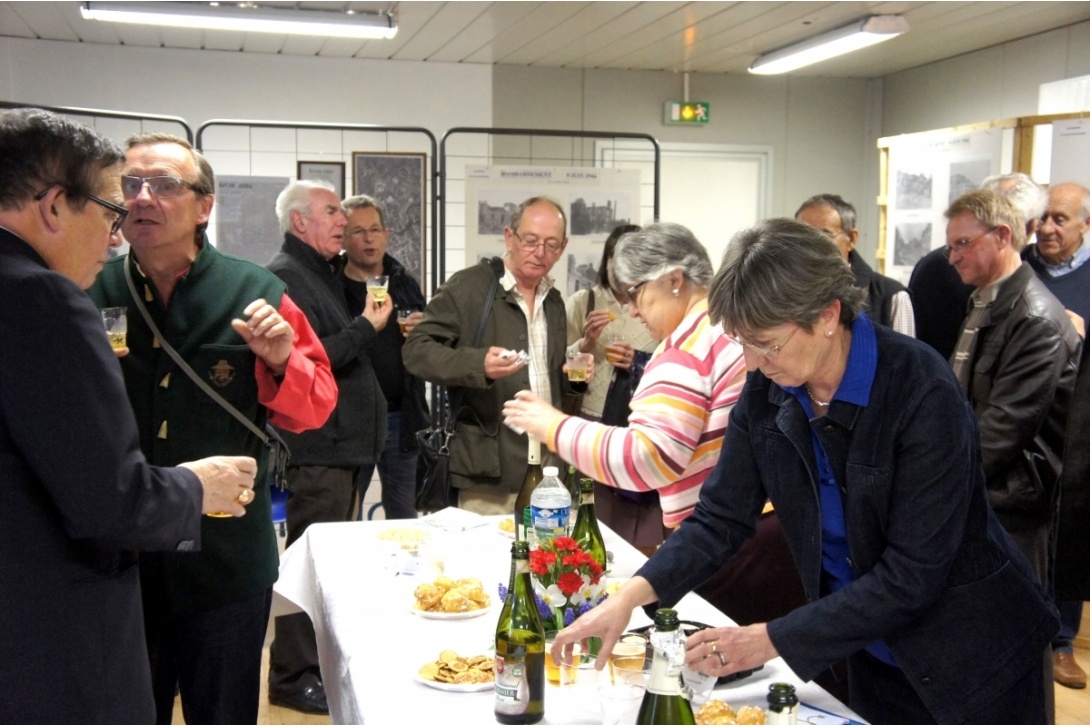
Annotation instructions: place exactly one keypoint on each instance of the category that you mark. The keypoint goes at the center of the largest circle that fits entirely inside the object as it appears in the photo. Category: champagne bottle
(783, 705)
(520, 648)
(663, 703)
(586, 531)
(523, 526)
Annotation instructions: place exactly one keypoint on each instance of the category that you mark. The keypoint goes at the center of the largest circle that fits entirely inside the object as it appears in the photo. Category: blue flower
(584, 607)
(569, 617)
(502, 590)
(543, 607)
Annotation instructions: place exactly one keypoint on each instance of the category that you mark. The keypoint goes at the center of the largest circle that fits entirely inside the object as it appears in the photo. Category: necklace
(816, 400)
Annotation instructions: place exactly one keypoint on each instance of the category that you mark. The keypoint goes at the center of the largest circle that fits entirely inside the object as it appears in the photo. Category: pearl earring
(828, 334)
(677, 292)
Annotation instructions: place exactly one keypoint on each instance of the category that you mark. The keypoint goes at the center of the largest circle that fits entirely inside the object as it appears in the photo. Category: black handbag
(622, 386)
(434, 492)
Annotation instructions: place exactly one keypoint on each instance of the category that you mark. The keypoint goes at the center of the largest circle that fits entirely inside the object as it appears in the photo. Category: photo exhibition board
(928, 171)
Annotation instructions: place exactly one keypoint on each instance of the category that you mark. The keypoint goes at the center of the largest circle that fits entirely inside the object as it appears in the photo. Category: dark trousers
(318, 495)
(212, 657)
(396, 472)
(882, 694)
(1070, 619)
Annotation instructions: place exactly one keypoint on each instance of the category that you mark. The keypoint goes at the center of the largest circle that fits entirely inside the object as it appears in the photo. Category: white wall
(202, 85)
(995, 83)
(821, 130)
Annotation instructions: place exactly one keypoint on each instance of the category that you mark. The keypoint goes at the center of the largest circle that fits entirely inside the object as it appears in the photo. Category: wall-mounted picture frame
(332, 172)
(396, 180)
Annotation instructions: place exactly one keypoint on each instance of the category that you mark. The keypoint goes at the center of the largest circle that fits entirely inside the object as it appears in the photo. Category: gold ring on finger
(245, 496)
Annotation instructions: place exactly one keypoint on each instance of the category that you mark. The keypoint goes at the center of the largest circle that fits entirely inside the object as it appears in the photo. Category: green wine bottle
(663, 703)
(586, 531)
(533, 476)
(520, 648)
(572, 483)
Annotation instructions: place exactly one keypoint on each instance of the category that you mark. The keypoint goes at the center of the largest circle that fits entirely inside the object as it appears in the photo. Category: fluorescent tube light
(244, 17)
(861, 34)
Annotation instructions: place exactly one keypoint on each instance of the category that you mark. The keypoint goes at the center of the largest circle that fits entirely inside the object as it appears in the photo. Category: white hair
(296, 198)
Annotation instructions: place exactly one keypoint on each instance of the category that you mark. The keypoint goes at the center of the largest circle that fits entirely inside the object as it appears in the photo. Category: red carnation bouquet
(567, 581)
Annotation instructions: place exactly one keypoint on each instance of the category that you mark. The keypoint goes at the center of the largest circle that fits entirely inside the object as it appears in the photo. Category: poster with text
(245, 217)
(594, 200)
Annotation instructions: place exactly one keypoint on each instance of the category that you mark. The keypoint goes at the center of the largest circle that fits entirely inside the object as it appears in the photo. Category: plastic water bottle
(550, 507)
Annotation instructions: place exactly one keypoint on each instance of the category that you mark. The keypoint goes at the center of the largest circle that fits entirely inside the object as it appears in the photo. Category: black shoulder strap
(490, 297)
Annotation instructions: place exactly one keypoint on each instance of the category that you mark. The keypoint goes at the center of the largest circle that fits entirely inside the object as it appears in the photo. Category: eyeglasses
(771, 351)
(631, 294)
(529, 244)
(163, 187)
(370, 232)
(963, 244)
(117, 209)
(120, 212)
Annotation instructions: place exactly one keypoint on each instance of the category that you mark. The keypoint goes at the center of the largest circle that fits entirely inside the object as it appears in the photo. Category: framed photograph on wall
(396, 181)
(332, 172)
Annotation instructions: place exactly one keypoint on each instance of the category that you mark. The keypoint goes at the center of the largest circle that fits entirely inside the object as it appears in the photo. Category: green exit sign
(688, 113)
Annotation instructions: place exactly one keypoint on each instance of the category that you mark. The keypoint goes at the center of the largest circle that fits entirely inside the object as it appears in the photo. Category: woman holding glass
(599, 324)
(680, 409)
(865, 444)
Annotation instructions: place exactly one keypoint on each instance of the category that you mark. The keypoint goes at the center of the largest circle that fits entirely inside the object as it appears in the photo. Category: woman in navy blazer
(866, 446)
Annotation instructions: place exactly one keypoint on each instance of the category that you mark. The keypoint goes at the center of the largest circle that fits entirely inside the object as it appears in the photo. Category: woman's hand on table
(729, 649)
(531, 414)
(608, 620)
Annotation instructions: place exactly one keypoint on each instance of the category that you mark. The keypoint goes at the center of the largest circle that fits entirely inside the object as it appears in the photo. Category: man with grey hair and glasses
(1017, 349)
(487, 459)
(366, 255)
(325, 462)
(231, 329)
(79, 496)
(888, 302)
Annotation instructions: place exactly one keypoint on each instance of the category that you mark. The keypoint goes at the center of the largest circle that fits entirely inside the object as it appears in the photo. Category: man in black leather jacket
(1017, 359)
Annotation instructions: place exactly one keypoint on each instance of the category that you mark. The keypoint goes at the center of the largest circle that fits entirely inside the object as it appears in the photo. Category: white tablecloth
(371, 644)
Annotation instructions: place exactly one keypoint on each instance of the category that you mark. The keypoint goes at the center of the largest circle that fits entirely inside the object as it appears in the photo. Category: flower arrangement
(567, 582)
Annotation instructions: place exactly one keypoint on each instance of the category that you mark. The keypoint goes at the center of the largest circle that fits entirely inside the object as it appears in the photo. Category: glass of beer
(377, 287)
(616, 350)
(117, 326)
(403, 316)
(578, 366)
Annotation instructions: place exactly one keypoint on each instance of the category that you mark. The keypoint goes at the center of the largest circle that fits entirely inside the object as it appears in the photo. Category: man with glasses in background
(366, 244)
(487, 459)
(1016, 358)
(206, 613)
(888, 302)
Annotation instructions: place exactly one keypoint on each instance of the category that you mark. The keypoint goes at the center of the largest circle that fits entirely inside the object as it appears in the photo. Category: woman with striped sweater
(680, 409)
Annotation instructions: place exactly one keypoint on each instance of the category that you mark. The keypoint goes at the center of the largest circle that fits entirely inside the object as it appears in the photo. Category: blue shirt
(1082, 254)
(855, 389)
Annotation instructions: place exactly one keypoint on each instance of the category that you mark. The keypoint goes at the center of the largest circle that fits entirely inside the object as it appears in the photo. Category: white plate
(506, 533)
(443, 616)
(445, 687)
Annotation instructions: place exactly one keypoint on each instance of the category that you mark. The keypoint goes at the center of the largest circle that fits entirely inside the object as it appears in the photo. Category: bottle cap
(550, 471)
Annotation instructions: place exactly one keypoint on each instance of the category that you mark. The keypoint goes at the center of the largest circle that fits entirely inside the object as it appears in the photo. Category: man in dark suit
(77, 493)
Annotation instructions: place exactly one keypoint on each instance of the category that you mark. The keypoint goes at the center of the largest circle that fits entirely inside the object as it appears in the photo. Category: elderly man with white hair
(325, 462)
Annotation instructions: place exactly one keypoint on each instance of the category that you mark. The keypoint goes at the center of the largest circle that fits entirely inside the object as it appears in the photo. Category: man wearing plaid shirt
(487, 459)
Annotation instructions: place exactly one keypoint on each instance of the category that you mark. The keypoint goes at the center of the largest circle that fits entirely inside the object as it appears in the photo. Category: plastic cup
(117, 326)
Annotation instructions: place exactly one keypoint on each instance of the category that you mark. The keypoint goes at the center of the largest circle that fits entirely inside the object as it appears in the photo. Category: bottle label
(550, 522)
(513, 694)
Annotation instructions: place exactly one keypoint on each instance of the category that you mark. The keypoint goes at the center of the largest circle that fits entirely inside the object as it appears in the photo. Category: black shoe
(308, 697)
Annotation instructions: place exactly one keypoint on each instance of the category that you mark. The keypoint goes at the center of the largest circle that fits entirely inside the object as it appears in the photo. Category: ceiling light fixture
(245, 17)
(866, 32)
